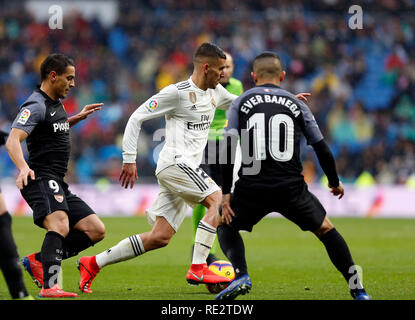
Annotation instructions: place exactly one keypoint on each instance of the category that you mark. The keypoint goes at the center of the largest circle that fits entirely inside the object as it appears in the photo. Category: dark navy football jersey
(48, 143)
(270, 122)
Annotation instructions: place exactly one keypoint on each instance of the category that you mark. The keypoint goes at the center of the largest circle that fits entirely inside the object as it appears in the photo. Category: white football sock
(124, 250)
(205, 236)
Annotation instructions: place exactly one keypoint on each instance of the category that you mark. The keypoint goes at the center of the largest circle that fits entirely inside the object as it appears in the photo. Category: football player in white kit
(189, 108)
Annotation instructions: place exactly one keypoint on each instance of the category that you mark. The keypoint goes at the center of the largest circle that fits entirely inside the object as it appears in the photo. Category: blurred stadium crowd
(362, 81)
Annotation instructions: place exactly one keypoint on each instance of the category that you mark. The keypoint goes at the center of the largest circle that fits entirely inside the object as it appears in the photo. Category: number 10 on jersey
(280, 136)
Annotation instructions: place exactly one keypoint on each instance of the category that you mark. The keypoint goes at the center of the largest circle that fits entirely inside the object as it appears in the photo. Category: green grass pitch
(284, 263)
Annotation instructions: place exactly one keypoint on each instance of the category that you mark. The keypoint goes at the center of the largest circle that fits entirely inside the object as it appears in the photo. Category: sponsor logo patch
(61, 126)
(24, 116)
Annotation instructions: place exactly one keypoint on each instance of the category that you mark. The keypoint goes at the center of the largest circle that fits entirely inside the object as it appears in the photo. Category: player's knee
(325, 227)
(57, 222)
(213, 200)
(62, 229)
(98, 232)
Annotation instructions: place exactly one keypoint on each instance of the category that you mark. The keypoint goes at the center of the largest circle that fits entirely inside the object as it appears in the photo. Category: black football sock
(339, 254)
(75, 242)
(51, 254)
(233, 247)
(9, 259)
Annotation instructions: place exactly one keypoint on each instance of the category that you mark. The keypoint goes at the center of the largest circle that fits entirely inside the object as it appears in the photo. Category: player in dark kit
(9, 257)
(71, 224)
(270, 122)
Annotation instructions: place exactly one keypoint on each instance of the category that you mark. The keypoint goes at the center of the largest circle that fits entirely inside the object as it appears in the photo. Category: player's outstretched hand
(227, 212)
(128, 175)
(303, 96)
(22, 178)
(338, 191)
(88, 109)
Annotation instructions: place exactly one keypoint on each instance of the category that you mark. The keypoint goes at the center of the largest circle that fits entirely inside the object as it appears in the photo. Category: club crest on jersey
(58, 198)
(24, 116)
(213, 102)
(192, 97)
(152, 105)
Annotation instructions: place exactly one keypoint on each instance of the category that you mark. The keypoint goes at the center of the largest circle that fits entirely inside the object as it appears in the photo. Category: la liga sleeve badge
(24, 116)
(152, 105)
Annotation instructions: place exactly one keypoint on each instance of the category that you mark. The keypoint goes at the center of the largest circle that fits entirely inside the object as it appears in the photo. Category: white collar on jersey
(195, 86)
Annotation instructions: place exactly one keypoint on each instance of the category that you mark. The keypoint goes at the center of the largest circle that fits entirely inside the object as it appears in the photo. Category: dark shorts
(46, 195)
(213, 162)
(214, 171)
(296, 203)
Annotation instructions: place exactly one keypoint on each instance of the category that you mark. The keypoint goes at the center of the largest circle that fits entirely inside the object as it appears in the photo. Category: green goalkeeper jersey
(219, 121)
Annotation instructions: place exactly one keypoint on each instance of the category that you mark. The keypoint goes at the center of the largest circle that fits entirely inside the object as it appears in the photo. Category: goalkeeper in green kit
(210, 163)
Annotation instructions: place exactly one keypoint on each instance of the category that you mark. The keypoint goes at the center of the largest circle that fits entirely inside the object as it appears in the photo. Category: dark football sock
(339, 253)
(233, 247)
(51, 254)
(75, 242)
(9, 259)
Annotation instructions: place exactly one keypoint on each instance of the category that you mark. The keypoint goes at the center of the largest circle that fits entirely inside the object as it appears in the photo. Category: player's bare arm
(128, 175)
(14, 148)
(85, 112)
(337, 191)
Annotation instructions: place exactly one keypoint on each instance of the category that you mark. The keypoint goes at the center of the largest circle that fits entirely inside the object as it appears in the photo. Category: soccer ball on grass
(224, 269)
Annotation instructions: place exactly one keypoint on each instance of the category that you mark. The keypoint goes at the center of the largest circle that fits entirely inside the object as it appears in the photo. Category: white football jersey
(189, 112)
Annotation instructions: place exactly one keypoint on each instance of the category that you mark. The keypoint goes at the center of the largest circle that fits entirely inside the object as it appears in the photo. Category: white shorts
(180, 185)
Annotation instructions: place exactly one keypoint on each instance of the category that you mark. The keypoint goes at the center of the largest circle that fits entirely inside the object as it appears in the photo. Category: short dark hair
(267, 54)
(267, 68)
(55, 62)
(209, 50)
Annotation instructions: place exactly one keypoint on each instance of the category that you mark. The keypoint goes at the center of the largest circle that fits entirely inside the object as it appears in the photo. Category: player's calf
(325, 227)
(156, 239)
(341, 258)
(93, 227)
(206, 230)
(212, 203)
